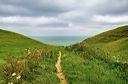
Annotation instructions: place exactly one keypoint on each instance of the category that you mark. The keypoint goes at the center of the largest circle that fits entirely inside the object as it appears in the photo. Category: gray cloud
(55, 24)
(112, 7)
(35, 7)
(65, 16)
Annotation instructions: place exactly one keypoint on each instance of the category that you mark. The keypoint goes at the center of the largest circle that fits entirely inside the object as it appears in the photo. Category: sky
(62, 17)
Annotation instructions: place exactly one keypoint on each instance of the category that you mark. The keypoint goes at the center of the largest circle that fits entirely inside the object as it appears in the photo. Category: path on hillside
(59, 70)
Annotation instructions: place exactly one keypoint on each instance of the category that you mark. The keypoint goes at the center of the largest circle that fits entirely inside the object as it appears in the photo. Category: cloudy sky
(62, 17)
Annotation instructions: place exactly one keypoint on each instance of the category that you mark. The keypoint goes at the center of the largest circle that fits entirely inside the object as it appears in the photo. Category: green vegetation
(109, 36)
(35, 67)
(15, 45)
(102, 59)
(113, 42)
(91, 71)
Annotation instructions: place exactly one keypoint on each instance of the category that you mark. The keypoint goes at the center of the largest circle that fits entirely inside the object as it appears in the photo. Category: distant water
(60, 40)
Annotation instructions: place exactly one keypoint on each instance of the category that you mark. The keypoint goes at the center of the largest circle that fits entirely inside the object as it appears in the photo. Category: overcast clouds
(62, 17)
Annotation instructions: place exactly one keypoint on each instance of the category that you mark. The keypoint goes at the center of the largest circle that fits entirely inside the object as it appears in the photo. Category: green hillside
(102, 59)
(114, 42)
(109, 36)
(15, 45)
(8, 38)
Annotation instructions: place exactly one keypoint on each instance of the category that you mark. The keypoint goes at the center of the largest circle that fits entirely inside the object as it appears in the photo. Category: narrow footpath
(59, 70)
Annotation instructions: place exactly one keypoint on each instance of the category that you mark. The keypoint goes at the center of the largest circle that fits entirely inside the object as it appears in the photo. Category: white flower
(10, 83)
(18, 77)
(13, 74)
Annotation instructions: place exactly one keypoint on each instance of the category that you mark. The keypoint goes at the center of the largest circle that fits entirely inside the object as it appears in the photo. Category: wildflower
(114, 57)
(18, 77)
(13, 74)
(18, 62)
(117, 60)
(29, 52)
(10, 83)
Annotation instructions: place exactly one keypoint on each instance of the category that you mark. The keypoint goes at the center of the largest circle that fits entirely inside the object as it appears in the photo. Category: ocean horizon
(59, 40)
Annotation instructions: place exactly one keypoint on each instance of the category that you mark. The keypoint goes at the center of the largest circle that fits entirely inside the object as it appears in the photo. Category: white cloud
(110, 19)
(28, 20)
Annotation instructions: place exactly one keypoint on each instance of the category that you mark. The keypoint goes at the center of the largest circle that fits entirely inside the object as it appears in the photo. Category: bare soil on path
(59, 70)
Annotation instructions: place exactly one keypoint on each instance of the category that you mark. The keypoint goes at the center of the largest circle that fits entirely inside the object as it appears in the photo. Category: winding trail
(59, 70)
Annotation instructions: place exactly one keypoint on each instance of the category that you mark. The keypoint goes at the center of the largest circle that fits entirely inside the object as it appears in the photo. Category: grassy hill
(104, 58)
(11, 39)
(15, 45)
(114, 42)
(109, 36)
(111, 44)
(101, 59)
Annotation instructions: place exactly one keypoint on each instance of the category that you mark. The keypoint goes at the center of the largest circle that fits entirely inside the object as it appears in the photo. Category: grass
(48, 71)
(79, 70)
(13, 44)
(109, 36)
(117, 49)
(113, 42)
(101, 59)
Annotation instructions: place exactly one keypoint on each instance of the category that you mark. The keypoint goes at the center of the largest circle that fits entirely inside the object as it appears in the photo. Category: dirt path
(59, 70)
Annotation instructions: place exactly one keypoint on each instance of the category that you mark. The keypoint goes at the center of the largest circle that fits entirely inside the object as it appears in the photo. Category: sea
(60, 40)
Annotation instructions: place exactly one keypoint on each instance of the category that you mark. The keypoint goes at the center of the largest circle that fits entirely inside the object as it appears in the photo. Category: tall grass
(36, 67)
(92, 65)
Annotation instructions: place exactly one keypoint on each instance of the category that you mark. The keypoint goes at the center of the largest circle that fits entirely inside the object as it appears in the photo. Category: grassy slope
(93, 68)
(115, 42)
(15, 44)
(109, 36)
(90, 71)
(79, 69)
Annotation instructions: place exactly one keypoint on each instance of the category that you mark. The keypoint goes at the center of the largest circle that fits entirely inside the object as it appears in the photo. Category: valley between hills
(101, 59)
